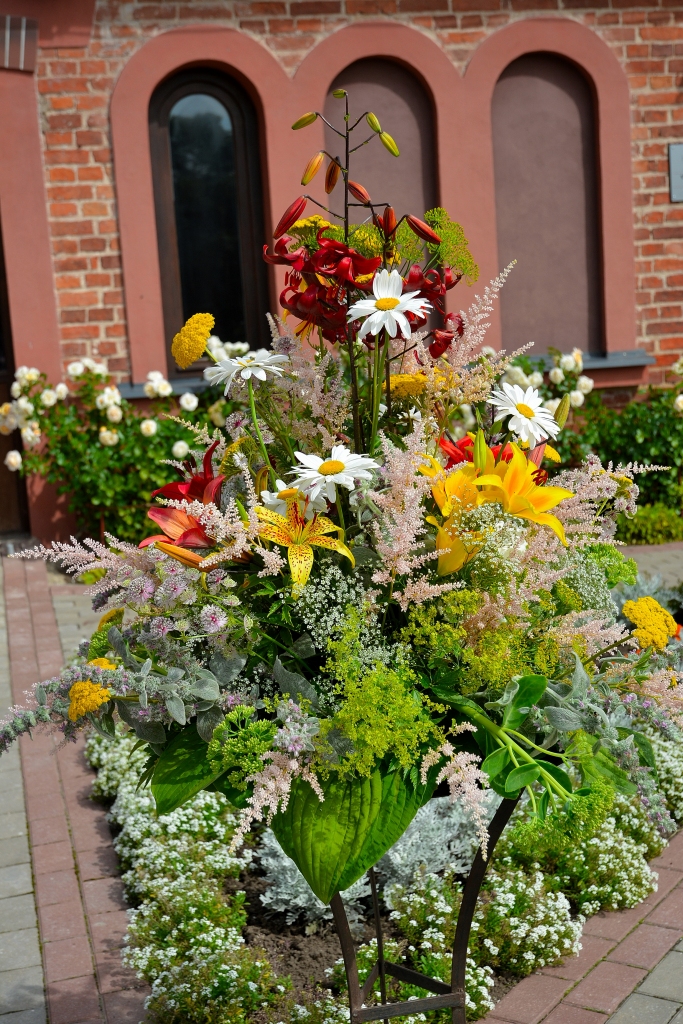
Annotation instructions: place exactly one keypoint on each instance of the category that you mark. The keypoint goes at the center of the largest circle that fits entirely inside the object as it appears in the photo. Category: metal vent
(18, 43)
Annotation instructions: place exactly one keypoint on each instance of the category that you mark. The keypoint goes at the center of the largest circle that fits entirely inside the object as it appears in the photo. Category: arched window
(209, 209)
(547, 205)
(404, 110)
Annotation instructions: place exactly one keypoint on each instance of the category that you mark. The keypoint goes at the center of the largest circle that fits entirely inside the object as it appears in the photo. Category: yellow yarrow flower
(190, 341)
(407, 385)
(102, 663)
(86, 696)
(654, 624)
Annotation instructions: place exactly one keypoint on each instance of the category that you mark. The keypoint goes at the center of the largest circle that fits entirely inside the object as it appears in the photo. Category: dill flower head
(407, 385)
(86, 696)
(654, 624)
(190, 341)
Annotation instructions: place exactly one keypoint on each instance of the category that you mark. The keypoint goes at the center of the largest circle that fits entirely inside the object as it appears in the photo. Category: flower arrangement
(350, 606)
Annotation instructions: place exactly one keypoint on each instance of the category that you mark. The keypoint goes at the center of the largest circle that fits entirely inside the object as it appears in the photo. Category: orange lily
(183, 555)
(512, 485)
(299, 535)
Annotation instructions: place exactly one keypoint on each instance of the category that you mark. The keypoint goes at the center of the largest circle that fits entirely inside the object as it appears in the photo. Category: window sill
(613, 360)
(180, 386)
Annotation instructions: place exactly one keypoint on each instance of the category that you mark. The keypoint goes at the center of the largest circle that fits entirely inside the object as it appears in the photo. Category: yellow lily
(512, 485)
(299, 535)
(453, 493)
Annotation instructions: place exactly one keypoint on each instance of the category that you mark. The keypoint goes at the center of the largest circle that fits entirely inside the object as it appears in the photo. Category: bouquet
(353, 602)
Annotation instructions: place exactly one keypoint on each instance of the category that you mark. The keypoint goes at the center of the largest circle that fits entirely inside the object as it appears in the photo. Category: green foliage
(652, 524)
(434, 627)
(615, 566)
(238, 743)
(181, 771)
(410, 247)
(453, 251)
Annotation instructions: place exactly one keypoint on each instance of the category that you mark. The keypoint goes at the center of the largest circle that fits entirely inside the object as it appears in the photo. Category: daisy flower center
(525, 410)
(388, 303)
(332, 466)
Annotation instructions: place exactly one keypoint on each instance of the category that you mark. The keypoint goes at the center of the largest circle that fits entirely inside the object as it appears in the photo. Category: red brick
(606, 987)
(593, 949)
(104, 895)
(61, 921)
(672, 857)
(73, 1001)
(531, 1000)
(68, 958)
(125, 1007)
(646, 946)
(56, 887)
(565, 1013)
(670, 911)
(52, 857)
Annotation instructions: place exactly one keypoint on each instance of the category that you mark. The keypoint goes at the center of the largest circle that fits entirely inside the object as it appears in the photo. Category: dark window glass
(13, 507)
(207, 180)
(547, 205)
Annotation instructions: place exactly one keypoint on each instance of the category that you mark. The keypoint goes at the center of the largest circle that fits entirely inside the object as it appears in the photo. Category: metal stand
(452, 995)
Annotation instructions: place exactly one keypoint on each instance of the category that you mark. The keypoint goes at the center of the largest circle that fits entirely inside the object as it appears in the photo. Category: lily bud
(389, 221)
(305, 120)
(423, 230)
(479, 451)
(373, 122)
(290, 216)
(312, 168)
(359, 193)
(389, 143)
(339, 94)
(332, 176)
(562, 411)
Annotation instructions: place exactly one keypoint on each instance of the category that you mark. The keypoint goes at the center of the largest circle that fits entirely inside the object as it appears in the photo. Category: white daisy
(253, 364)
(528, 419)
(388, 308)
(277, 500)
(316, 476)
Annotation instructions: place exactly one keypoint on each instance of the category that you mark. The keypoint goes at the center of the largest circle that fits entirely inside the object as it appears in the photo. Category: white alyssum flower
(148, 428)
(568, 363)
(108, 437)
(585, 384)
(188, 401)
(277, 500)
(556, 375)
(114, 413)
(678, 403)
(253, 364)
(551, 405)
(536, 379)
(108, 396)
(48, 397)
(318, 476)
(13, 460)
(386, 311)
(528, 419)
(180, 449)
(61, 391)
(576, 399)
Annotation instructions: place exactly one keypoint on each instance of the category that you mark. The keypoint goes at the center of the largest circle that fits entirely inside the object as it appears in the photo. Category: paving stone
(49, 857)
(668, 879)
(670, 911)
(35, 1016)
(73, 1001)
(565, 1013)
(22, 989)
(17, 912)
(593, 949)
(640, 1009)
(12, 800)
(68, 958)
(615, 925)
(14, 850)
(101, 862)
(14, 824)
(56, 887)
(104, 895)
(19, 948)
(666, 981)
(531, 1000)
(672, 856)
(16, 880)
(606, 986)
(126, 1007)
(49, 830)
(646, 946)
(62, 921)
(107, 931)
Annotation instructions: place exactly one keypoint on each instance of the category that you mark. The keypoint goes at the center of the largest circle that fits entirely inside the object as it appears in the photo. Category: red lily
(463, 450)
(442, 339)
(185, 531)
(317, 306)
(204, 486)
(431, 285)
(334, 259)
(282, 255)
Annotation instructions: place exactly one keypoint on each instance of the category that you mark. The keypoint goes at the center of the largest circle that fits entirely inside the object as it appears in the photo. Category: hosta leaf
(334, 842)
(181, 771)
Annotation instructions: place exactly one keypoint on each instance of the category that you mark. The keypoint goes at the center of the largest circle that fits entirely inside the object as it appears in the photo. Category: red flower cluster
(185, 531)
(463, 450)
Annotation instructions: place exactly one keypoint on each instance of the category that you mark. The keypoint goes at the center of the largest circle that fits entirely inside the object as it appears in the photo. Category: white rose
(48, 397)
(585, 384)
(108, 437)
(101, 369)
(150, 389)
(164, 389)
(155, 375)
(188, 401)
(576, 399)
(114, 414)
(61, 391)
(677, 367)
(556, 375)
(578, 358)
(20, 373)
(235, 348)
(76, 369)
(487, 351)
(89, 363)
(101, 401)
(148, 428)
(30, 436)
(516, 375)
(15, 390)
(180, 449)
(24, 406)
(13, 460)
(678, 403)
(535, 379)
(31, 375)
(551, 405)
(568, 363)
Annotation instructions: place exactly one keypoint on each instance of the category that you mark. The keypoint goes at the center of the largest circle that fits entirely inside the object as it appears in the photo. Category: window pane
(547, 205)
(205, 195)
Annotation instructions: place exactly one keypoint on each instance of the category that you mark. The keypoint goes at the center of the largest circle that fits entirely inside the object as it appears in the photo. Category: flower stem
(262, 445)
(340, 511)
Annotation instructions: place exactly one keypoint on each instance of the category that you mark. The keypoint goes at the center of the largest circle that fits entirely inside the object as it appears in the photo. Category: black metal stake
(451, 996)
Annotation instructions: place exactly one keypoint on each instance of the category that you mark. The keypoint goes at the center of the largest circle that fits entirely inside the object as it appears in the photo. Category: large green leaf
(334, 842)
(181, 771)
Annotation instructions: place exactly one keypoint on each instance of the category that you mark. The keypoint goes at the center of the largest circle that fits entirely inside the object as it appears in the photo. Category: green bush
(652, 524)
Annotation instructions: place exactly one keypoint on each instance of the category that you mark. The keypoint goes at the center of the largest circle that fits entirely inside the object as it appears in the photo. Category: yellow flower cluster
(102, 662)
(190, 341)
(407, 385)
(654, 624)
(86, 696)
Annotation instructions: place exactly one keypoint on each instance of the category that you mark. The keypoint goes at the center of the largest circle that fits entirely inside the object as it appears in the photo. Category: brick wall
(75, 85)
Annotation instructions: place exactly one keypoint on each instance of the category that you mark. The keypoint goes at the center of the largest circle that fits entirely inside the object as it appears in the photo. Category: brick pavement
(665, 560)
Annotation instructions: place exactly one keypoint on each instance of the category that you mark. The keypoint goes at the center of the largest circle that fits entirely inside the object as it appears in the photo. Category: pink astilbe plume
(465, 781)
(598, 632)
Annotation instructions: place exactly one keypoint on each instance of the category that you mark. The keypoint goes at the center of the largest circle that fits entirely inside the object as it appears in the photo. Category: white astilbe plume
(202, 436)
(272, 789)
(465, 781)
(78, 557)
(597, 632)
(273, 562)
